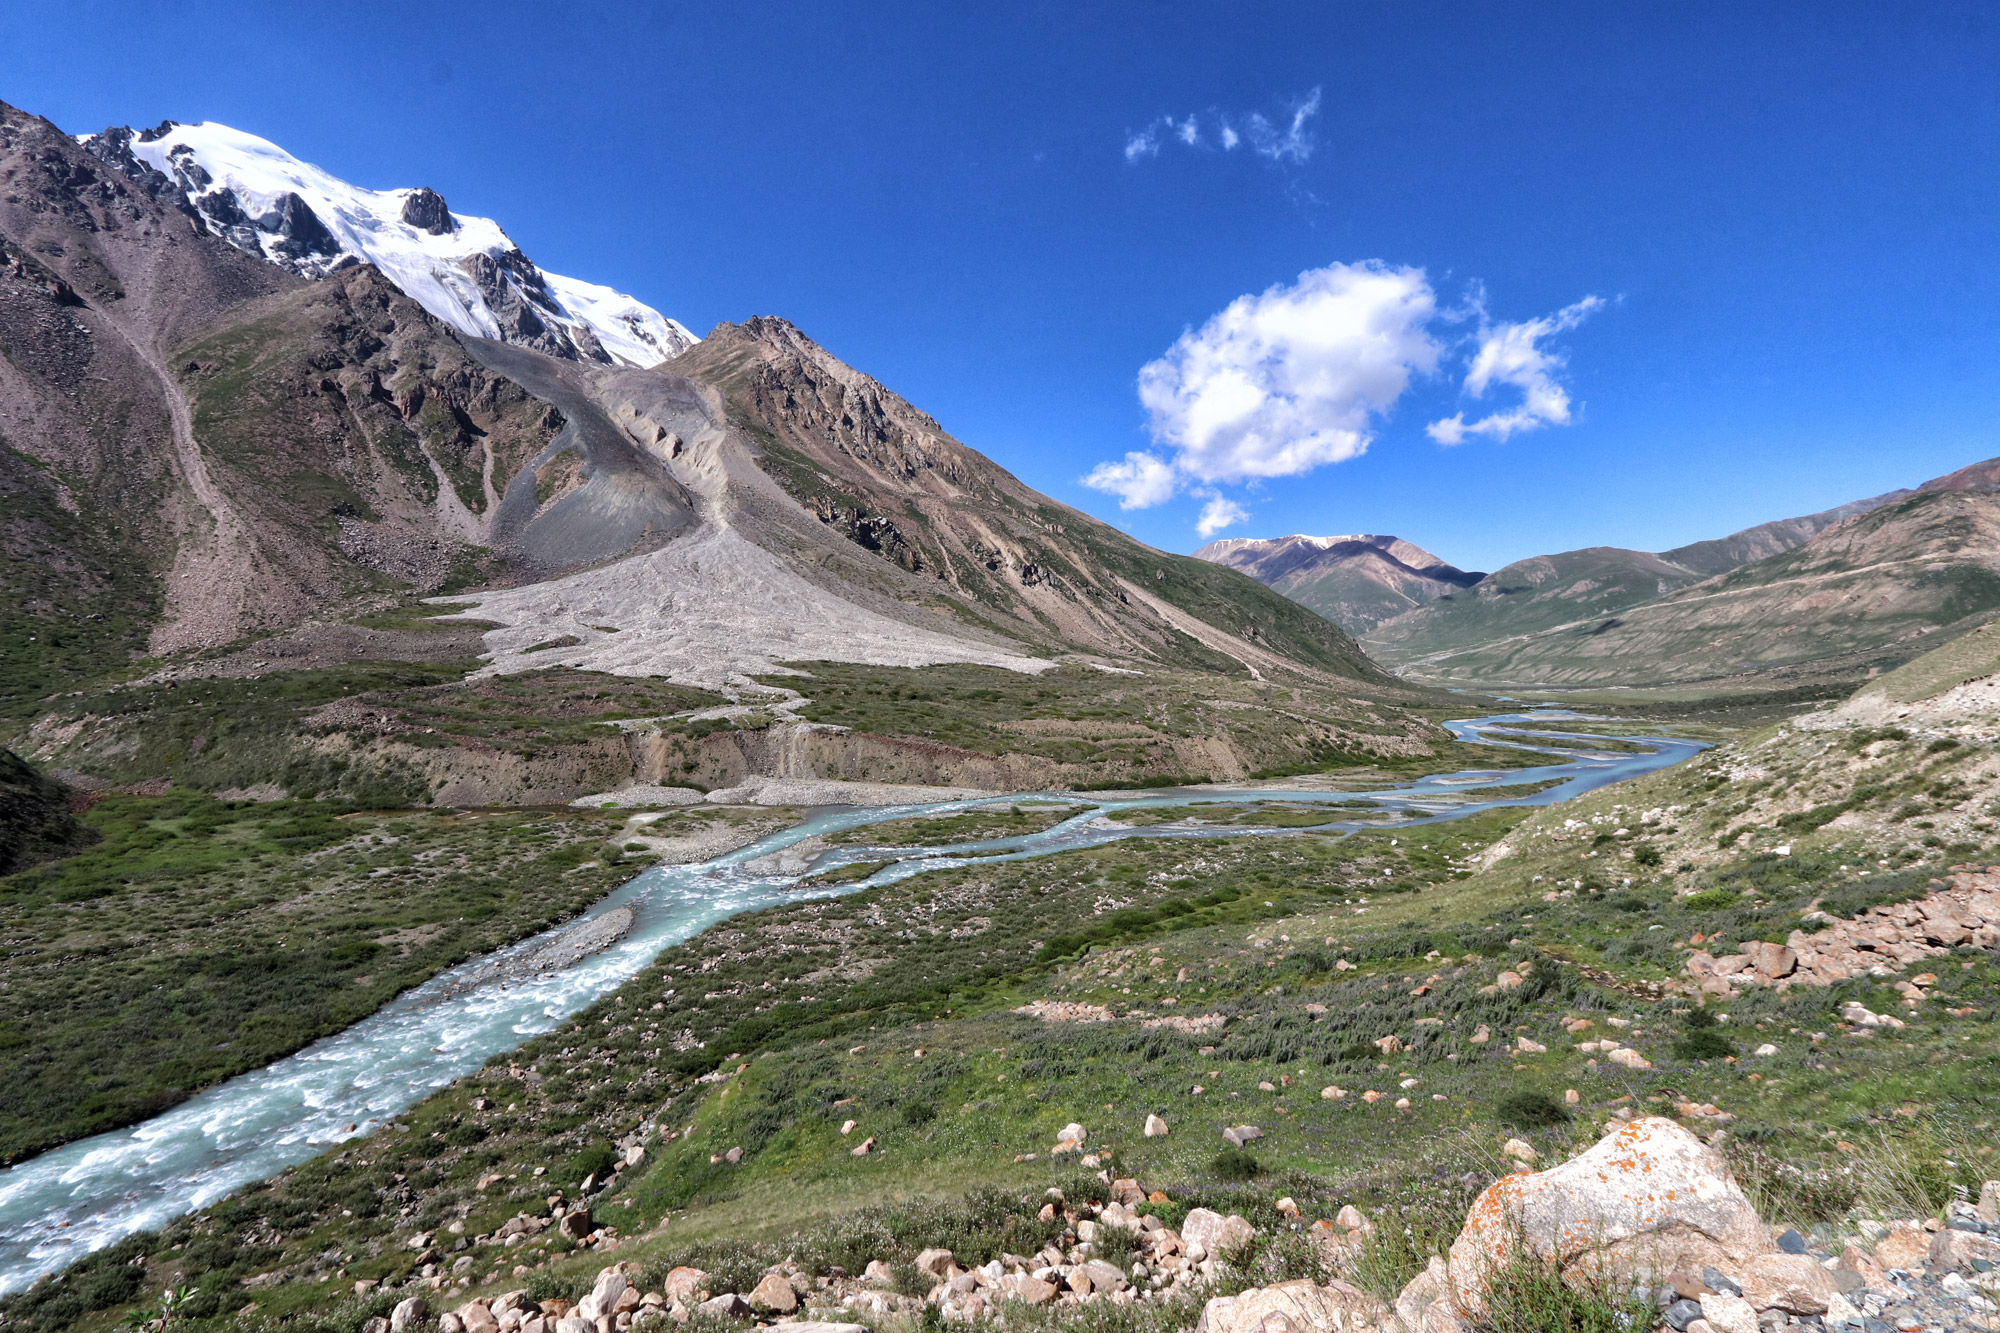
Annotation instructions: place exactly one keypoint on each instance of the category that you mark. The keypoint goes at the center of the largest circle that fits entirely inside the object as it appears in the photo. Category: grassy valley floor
(1387, 1008)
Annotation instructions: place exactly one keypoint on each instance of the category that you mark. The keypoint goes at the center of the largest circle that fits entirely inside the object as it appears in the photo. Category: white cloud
(1299, 376)
(1219, 513)
(1293, 143)
(1140, 482)
(1146, 143)
(1512, 354)
(1283, 382)
(1289, 139)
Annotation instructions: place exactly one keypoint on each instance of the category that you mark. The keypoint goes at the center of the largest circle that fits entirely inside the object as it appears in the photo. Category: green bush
(1529, 1108)
(596, 1160)
(1704, 1044)
(1528, 1294)
(1234, 1164)
(1709, 900)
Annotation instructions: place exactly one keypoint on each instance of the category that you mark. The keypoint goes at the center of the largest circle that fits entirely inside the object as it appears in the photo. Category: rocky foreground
(1648, 1223)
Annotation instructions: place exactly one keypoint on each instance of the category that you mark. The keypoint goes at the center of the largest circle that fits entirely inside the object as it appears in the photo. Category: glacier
(464, 270)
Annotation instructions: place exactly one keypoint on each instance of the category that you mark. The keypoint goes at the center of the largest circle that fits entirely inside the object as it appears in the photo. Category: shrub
(1646, 854)
(1786, 1192)
(1704, 1044)
(1528, 1294)
(595, 1160)
(1709, 900)
(1530, 1109)
(1234, 1164)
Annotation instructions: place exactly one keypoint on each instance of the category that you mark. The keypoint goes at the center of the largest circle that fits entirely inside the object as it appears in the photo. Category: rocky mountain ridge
(1862, 594)
(464, 270)
(1355, 581)
(221, 464)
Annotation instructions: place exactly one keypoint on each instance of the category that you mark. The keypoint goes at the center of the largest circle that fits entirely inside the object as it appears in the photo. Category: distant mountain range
(1833, 595)
(1356, 582)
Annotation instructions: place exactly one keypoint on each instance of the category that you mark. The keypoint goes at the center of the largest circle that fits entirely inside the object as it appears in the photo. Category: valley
(518, 818)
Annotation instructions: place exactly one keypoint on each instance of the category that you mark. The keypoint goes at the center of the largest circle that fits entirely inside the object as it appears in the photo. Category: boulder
(1299, 1306)
(1423, 1291)
(1794, 1283)
(683, 1284)
(1106, 1276)
(605, 1294)
(1729, 1314)
(1029, 1290)
(1648, 1199)
(822, 1326)
(576, 1223)
(727, 1306)
(475, 1317)
(774, 1294)
(1863, 1266)
(1907, 1246)
(1213, 1232)
(409, 1312)
(1954, 1250)
(936, 1262)
(1239, 1135)
(1988, 1209)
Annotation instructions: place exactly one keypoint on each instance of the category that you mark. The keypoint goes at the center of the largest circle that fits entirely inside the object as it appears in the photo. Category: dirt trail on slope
(213, 569)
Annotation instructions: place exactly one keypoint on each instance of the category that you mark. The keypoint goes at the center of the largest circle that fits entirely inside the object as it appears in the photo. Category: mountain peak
(1356, 580)
(464, 270)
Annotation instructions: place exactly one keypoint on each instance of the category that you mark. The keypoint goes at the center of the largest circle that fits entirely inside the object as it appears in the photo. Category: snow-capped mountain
(462, 269)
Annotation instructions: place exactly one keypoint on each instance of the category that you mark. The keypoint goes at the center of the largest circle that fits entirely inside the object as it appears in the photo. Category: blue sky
(1760, 239)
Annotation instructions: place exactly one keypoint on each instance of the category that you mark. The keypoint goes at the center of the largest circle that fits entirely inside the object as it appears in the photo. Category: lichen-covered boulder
(1649, 1198)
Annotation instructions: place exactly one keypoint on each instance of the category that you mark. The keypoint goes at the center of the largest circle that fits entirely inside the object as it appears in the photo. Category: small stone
(1239, 1135)
(726, 1306)
(1331, 1093)
(1156, 1128)
(1527, 1047)
(1519, 1148)
(863, 1148)
(847, 1127)
(1791, 1242)
(1679, 1314)
(1716, 1280)
(1571, 1097)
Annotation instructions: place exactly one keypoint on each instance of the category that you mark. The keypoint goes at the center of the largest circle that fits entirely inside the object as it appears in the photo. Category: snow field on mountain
(430, 268)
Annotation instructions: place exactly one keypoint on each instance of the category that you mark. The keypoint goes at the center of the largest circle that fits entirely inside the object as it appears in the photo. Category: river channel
(81, 1197)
